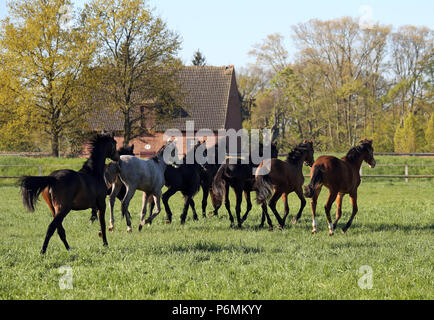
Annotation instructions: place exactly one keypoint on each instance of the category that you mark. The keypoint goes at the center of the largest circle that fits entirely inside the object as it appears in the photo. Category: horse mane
(156, 157)
(355, 152)
(92, 147)
(295, 155)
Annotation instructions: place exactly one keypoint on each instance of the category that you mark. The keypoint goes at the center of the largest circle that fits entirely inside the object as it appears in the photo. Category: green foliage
(410, 138)
(198, 59)
(46, 55)
(429, 135)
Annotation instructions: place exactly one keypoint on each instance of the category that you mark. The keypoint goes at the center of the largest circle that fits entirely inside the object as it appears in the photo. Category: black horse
(185, 178)
(122, 151)
(241, 178)
(207, 174)
(66, 190)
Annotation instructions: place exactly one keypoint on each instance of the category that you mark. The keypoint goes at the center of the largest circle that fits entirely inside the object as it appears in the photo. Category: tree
(198, 59)
(429, 135)
(47, 55)
(410, 137)
(136, 62)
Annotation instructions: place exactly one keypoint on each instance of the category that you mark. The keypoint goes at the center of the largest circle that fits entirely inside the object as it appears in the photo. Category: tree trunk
(127, 128)
(55, 144)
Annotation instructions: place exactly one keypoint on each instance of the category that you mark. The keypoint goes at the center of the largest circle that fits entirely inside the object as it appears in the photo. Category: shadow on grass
(378, 227)
(204, 246)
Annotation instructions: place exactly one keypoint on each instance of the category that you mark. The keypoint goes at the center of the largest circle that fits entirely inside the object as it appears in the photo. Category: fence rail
(405, 176)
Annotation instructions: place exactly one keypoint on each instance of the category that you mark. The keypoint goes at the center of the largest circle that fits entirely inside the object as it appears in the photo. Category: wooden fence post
(406, 173)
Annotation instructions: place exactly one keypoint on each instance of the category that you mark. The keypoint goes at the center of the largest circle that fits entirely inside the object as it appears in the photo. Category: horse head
(368, 152)
(308, 147)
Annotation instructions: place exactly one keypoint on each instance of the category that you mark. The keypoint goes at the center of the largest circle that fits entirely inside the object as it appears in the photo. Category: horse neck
(356, 163)
(299, 162)
(95, 164)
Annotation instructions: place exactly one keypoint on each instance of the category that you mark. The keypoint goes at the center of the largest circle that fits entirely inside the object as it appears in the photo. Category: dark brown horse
(123, 151)
(66, 190)
(340, 176)
(283, 177)
(240, 176)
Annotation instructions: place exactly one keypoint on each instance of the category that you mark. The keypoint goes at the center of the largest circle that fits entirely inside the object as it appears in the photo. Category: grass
(392, 234)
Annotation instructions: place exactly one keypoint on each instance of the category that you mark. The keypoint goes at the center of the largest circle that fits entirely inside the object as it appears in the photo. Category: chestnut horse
(283, 177)
(66, 190)
(340, 176)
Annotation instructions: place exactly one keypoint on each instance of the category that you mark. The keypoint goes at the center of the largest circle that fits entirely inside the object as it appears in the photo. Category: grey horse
(138, 174)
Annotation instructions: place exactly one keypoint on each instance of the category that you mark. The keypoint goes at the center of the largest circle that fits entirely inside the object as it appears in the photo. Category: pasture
(392, 234)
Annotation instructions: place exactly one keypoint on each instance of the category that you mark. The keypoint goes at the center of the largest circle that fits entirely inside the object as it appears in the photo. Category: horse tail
(315, 181)
(263, 187)
(31, 188)
(218, 184)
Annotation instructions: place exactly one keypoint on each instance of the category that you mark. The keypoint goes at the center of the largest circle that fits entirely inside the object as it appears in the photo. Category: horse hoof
(270, 228)
(294, 221)
(129, 230)
(261, 226)
(212, 214)
(314, 231)
(343, 231)
(168, 221)
(111, 228)
(100, 234)
(140, 227)
(105, 244)
(331, 233)
(279, 227)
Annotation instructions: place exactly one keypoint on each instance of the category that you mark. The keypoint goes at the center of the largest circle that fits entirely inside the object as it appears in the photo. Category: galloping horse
(240, 177)
(66, 190)
(138, 174)
(122, 151)
(284, 177)
(184, 178)
(340, 176)
(207, 175)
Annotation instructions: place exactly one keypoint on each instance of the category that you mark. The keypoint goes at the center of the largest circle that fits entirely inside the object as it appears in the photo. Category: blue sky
(225, 30)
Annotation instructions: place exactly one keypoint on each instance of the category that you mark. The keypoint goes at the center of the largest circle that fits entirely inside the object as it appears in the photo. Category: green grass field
(392, 234)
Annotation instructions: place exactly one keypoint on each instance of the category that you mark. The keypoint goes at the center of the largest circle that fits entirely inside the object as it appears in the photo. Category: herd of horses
(66, 190)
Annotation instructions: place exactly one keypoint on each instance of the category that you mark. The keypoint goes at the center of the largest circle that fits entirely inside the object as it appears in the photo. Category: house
(212, 100)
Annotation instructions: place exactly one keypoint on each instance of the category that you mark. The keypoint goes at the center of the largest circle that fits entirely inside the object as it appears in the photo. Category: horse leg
(166, 197)
(93, 216)
(272, 205)
(125, 204)
(193, 208)
(101, 215)
(216, 208)
(144, 207)
(60, 215)
(205, 192)
(62, 235)
(300, 195)
(239, 199)
(313, 203)
(228, 205)
(339, 209)
(327, 208)
(353, 198)
(187, 199)
(266, 215)
(249, 204)
(285, 207)
(116, 187)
